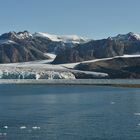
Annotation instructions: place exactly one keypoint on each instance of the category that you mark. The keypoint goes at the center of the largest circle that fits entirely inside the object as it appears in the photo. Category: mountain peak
(24, 35)
(126, 37)
(134, 35)
(13, 35)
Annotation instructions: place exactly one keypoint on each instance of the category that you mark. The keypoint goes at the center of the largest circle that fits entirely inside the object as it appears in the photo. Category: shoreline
(100, 82)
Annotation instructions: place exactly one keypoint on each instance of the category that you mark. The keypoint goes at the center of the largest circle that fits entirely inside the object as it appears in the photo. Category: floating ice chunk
(137, 114)
(35, 127)
(6, 127)
(23, 127)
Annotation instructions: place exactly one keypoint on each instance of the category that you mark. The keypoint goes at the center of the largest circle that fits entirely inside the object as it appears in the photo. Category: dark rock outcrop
(115, 68)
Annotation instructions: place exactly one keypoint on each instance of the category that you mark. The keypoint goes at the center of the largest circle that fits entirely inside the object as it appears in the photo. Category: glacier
(12, 74)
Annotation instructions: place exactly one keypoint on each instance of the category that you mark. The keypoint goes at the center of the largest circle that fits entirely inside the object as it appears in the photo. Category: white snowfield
(62, 38)
(34, 71)
(41, 71)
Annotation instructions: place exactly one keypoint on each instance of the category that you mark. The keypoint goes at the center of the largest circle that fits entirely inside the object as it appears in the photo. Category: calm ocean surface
(48, 112)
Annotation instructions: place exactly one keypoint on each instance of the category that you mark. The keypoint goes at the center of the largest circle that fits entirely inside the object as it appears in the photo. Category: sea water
(62, 112)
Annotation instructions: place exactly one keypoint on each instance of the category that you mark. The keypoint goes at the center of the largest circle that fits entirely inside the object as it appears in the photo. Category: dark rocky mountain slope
(24, 46)
(118, 67)
(96, 49)
(19, 47)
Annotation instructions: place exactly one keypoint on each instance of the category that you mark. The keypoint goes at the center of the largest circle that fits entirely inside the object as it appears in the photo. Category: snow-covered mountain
(26, 46)
(96, 49)
(16, 36)
(37, 49)
(69, 48)
(126, 37)
(62, 38)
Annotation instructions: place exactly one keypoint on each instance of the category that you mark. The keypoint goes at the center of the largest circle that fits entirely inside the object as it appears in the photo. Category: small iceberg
(6, 127)
(23, 127)
(36, 127)
(137, 114)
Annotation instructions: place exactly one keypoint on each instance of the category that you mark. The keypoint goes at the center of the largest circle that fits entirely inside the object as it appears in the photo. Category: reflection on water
(41, 112)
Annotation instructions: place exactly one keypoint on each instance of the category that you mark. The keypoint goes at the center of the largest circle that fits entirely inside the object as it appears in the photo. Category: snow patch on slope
(7, 42)
(51, 55)
(94, 74)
